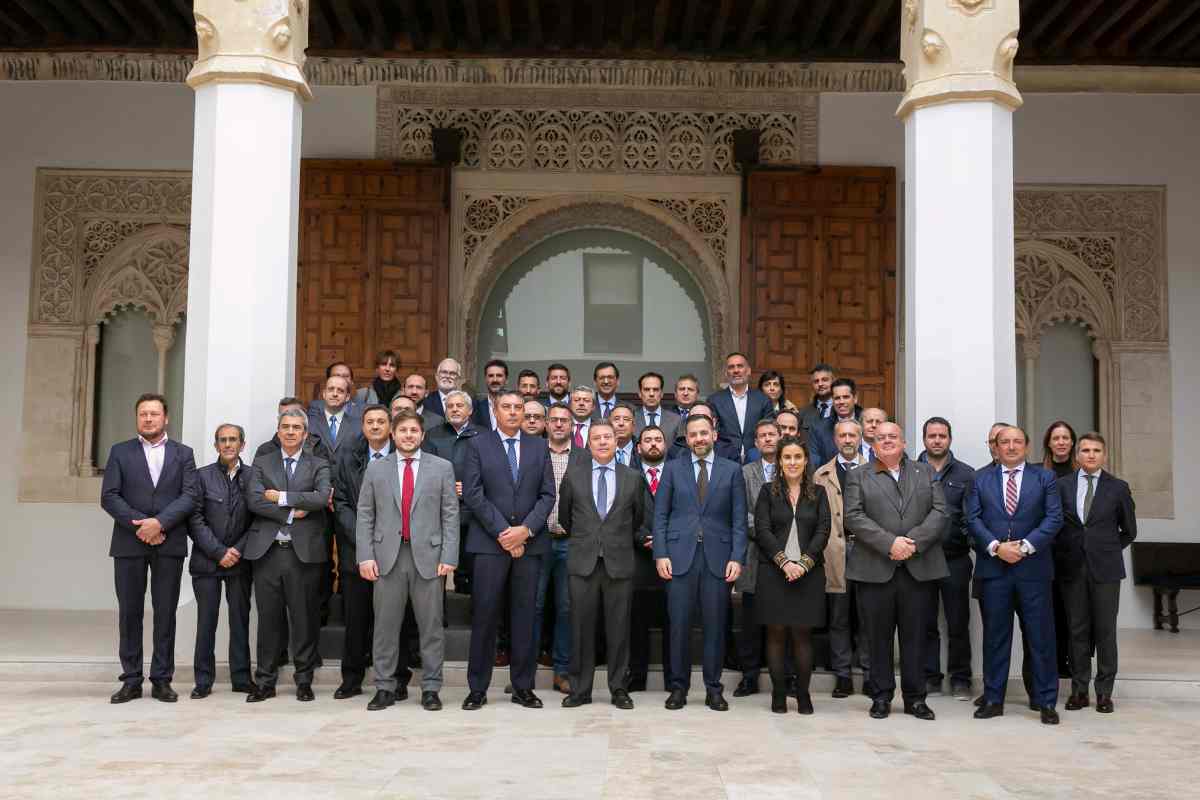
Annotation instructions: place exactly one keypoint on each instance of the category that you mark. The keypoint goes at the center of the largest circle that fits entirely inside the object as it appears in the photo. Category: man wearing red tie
(583, 402)
(649, 597)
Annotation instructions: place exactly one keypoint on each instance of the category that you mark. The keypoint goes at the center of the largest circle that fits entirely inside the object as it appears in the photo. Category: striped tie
(1010, 493)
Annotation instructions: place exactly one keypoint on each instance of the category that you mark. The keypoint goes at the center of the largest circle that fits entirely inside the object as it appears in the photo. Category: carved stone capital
(164, 337)
(1031, 348)
(956, 50)
(252, 41)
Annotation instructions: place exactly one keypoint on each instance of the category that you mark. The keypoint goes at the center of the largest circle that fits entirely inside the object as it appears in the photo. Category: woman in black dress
(791, 528)
(1058, 449)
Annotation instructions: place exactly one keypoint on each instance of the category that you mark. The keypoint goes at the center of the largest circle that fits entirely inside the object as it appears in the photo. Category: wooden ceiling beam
(535, 24)
(1104, 23)
(320, 35)
(598, 26)
(113, 25)
(783, 22)
(838, 34)
(1120, 40)
(753, 19)
(629, 24)
(816, 20)
(474, 29)
(504, 22)
(1082, 12)
(79, 22)
(380, 33)
(142, 32)
(21, 31)
(716, 34)
(412, 25)
(1186, 38)
(344, 12)
(687, 35)
(879, 13)
(167, 23)
(1165, 28)
(47, 19)
(441, 22)
(566, 24)
(1045, 20)
(662, 13)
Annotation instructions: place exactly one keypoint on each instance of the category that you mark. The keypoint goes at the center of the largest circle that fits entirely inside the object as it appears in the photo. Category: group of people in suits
(619, 515)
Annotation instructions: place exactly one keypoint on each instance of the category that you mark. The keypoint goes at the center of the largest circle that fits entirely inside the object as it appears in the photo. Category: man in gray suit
(651, 412)
(602, 508)
(333, 420)
(289, 546)
(895, 512)
(407, 543)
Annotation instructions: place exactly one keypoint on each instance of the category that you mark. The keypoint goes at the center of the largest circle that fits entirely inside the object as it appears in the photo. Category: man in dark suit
(342, 370)
(738, 407)
(687, 394)
(495, 375)
(649, 590)
(607, 379)
(844, 400)
(313, 444)
(416, 389)
(149, 490)
(333, 422)
(450, 442)
(1014, 514)
(699, 548)
(821, 377)
(218, 528)
(1098, 524)
(895, 512)
(602, 507)
(622, 419)
(288, 493)
(724, 445)
(447, 377)
(558, 385)
(509, 488)
(651, 411)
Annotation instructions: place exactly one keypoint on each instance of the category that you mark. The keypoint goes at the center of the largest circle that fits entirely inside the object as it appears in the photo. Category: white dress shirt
(657, 412)
(658, 471)
(708, 459)
(601, 402)
(416, 465)
(627, 453)
(155, 453)
(1081, 490)
(504, 443)
(282, 535)
(340, 416)
(372, 452)
(739, 406)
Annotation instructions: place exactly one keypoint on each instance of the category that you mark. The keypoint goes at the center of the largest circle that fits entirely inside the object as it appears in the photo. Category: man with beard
(649, 595)
(558, 385)
(495, 375)
(447, 376)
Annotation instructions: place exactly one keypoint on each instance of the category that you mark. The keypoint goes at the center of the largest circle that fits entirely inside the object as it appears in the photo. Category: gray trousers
(589, 596)
(841, 645)
(393, 591)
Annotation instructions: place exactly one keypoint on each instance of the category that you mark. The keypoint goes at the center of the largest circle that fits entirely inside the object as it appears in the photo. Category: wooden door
(372, 268)
(819, 277)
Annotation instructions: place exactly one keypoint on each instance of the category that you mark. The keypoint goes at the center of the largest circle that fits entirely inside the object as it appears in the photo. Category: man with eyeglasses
(448, 377)
(533, 419)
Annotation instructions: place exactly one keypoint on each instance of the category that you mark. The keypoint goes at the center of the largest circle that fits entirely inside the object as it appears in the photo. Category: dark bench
(1167, 568)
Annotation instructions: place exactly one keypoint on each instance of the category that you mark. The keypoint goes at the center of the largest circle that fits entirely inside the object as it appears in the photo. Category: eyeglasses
(535, 416)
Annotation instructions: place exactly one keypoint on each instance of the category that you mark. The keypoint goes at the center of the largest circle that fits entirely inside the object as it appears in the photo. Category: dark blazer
(620, 532)
(1039, 517)
(307, 489)
(821, 444)
(679, 517)
(451, 445)
(349, 429)
(758, 406)
(956, 478)
(221, 519)
(433, 404)
(480, 417)
(726, 446)
(127, 493)
(877, 509)
(773, 515)
(1094, 546)
(496, 503)
(668, 420)
(348, 471)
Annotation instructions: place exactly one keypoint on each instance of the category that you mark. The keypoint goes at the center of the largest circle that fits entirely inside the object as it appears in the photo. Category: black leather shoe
(162, 691)
(746, 687)
(244, 688)
(989, 710)
(260, 693)
(1104, 703)
(778, 702)
(127, 692)
(526, 698)
(636, 684)
(576, 700)
(843, 687)
(804, 703)
(382, 699)
(401, 692)
(1034, 706)
(201, 692)
(960, 691)
(676, 700)
(1078, 701)
(343, 692)
(474, 701)
(933, 687)
(304, 693)
(716, 701)
(978, 702)
(430, 701)
(920, 711)
(880, 709)
(1049, 716)
(622, 700)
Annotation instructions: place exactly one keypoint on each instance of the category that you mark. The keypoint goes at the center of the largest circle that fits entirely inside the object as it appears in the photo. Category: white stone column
(240, 353)
(1031, 350)
(960, 339)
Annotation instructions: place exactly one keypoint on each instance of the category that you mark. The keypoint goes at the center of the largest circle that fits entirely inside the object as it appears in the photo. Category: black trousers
(955, 593)
(129, 577)
(590, 596)
(207, 589)
(491, 578)
(1062, 629)
(649, 610)
(287, 590)
(1092, 615)
(750, 637)
(898, 606)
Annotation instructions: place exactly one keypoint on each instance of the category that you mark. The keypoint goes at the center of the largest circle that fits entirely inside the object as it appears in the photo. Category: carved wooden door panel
(372, 268)
(819, 264)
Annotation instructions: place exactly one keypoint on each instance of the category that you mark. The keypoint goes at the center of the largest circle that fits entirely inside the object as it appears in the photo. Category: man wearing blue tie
(1014, 513)
(699, 549)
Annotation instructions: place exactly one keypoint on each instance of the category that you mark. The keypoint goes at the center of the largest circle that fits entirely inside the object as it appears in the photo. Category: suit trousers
(491, 584)
(1033, 603)
(207, 589)
(649, 609)
(129, 577)
(1092, 615)
(287, 592)
(590, 596)
(392, 594)
(955, 593)
(698, 587)
(748, 638)
(899, 605)
(843, 638)
(359, 618)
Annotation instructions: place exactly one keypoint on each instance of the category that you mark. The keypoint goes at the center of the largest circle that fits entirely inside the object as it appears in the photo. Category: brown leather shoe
(1104, 703)
(1076, 702)
(501, 658)
(562, 684)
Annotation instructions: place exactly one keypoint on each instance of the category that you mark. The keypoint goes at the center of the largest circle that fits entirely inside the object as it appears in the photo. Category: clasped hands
(513, 540)
(793, 571)
(903, 548)
(150, 531)
(1009, 552)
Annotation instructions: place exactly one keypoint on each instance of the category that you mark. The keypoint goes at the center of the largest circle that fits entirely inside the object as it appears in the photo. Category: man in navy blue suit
(699, 548)
(1013, 513)
(738, 407)
(508, 485)
(149, 490)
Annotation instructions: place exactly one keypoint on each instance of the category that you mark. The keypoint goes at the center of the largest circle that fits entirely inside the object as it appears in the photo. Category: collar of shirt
(458, 431)
(505, 437)
(283, 454)
(708, 459)
(372, 451)
(416, 456)
(742, 396)
(564, 452)
(768, 469)
(847, 464)
(610, 465)
(1019, 469)
(340, 414)
(146, 443)
(646, 467)
(1083, 475)
(232, 473)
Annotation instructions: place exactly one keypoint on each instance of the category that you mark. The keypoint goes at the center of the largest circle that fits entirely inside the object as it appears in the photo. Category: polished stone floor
(63, 740)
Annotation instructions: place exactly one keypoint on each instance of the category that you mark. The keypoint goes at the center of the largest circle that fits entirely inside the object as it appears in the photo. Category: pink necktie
(1010, 493)
(579, 434)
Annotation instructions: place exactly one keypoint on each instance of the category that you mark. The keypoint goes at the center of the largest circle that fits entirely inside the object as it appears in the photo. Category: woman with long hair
(773, 385)
(1058, 448)
(791, 529)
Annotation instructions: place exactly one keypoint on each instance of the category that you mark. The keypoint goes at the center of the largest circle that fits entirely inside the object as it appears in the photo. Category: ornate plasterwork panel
(597, 130)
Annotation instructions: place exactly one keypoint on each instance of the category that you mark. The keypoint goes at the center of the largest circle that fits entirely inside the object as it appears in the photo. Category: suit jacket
(617, 535)
(752, 473)
(821, 444)
(679, 518)
(353, 406)
(758, 406)
(645, 572)
(349, 429)
(668, 420)
(480, 416)
(447, 443)
(878, 510)
(433, 520)
(1095, 546)
(347, 475)
(127, 493)
(433, 405)
(826, 477)
(773, 517)
(432, 419)
(220, 520)
(1038, 519)
(597, 408)
(726, 446)
(497, 503)
(308, 489)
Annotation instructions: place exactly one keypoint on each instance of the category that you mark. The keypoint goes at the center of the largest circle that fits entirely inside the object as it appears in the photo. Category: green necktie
(1087, 498)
